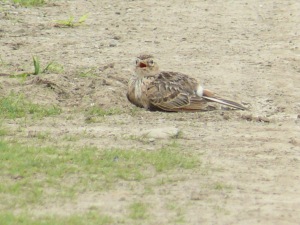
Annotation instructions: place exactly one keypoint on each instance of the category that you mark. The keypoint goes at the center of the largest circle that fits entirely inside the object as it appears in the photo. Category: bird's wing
(172, 91)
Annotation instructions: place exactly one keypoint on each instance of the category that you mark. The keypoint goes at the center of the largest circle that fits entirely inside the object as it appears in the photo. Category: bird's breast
(138, 88)
(137, 92)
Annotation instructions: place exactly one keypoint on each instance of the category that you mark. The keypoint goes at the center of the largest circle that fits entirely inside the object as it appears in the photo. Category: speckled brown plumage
(153, 89)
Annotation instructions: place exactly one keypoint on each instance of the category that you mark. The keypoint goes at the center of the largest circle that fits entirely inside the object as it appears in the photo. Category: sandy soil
(247, 51)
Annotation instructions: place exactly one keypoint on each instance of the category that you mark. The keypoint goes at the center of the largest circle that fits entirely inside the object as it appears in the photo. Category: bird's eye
(151, 62)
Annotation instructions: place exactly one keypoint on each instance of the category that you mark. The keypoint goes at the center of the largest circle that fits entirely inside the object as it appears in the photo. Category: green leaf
(83, 18)
(36, 64)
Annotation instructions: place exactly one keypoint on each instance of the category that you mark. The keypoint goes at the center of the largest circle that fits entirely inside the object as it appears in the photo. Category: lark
(153, 89)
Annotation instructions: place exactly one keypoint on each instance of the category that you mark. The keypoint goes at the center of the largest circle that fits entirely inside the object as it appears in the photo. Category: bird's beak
(142, 65)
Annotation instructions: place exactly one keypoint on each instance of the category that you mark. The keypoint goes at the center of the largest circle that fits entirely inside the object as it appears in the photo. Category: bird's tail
(225, 102)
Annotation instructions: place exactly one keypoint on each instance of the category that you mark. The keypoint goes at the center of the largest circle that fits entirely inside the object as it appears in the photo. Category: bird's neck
(144, 73)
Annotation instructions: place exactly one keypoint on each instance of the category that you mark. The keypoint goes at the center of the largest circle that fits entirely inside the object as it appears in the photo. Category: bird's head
(145, 65)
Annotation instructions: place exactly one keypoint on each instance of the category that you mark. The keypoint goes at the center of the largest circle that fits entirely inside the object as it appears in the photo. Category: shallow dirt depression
(247, 51)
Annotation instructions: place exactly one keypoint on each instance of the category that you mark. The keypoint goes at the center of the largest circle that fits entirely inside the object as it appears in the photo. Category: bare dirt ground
(248, 51)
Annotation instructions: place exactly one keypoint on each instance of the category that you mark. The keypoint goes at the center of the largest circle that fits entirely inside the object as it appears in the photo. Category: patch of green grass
(91, 218)
(141, 138)
(16, 106)
(30, 2)
(3, 130)
(148, 190)
(2, 63)
(93, 113)
(134, 164)
(87, 72)
(27, 173)
(71, 138)
(70, 22)
(221, 210)
(168, 180)
(54, 67)
(43, 135)
(221, 186)
(138, 211)
(179, 210)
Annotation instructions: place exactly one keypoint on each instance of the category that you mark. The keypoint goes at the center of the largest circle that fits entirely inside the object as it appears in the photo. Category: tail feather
(225, 102)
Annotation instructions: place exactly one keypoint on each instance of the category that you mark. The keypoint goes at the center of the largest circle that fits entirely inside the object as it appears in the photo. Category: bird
(168, 91)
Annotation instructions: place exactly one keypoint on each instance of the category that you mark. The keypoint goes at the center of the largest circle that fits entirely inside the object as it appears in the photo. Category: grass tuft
(97, 111)
(179, 212)
(96, 114)
(87, 72)
(221, 186)
(54, 67)
(138, 211)
(70, 22)
(30, 2)
(50, 67)
(3, 130)
(36, 64)
(25, 219)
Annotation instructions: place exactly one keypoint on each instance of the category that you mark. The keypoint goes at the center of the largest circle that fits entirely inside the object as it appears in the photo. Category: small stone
(294, 141)
(122, 199)
(247, 117)
(151, 140)
(116, 37)
(20, 31)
